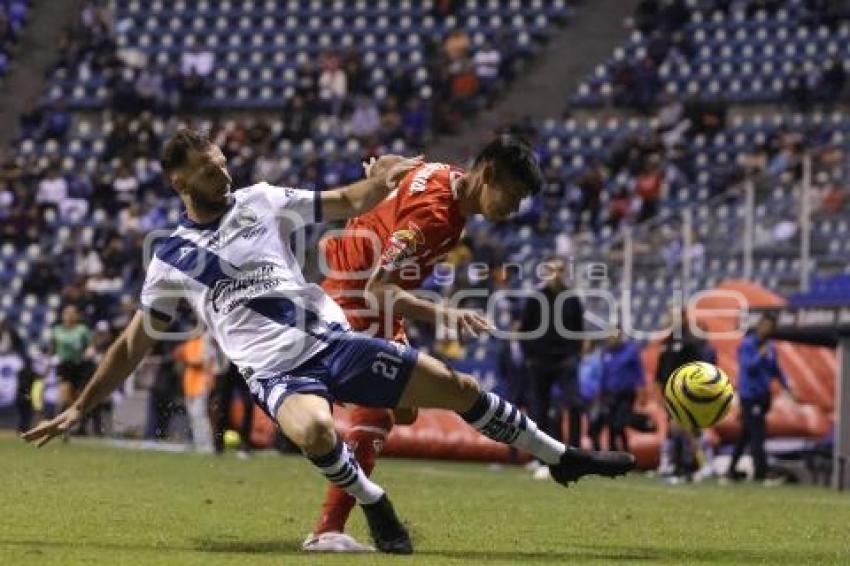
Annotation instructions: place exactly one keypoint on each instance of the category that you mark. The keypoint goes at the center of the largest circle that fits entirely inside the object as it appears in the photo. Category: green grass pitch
(84, 503)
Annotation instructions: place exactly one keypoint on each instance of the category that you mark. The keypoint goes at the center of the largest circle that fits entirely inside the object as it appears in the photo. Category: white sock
(341, 468)
(499, 420)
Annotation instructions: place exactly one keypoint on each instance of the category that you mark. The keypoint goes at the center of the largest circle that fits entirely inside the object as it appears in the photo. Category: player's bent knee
(318, 435)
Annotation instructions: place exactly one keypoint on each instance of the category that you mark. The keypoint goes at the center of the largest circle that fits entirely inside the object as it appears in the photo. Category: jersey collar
(187, 222)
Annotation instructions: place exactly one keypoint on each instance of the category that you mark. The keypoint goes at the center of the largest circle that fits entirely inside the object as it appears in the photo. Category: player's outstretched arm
(120, 359)
(390, 296)
(382, 176)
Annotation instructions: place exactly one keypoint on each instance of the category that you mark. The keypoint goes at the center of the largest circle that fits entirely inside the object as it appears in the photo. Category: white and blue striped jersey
(242, 280)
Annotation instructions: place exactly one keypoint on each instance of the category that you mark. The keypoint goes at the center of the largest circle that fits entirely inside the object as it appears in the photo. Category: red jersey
(407, 234)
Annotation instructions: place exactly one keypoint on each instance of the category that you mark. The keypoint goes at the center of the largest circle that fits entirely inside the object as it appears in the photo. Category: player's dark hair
(175, 153)
(513, 157)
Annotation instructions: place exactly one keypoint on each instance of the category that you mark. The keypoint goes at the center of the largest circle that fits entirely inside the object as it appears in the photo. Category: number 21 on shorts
(386, 365)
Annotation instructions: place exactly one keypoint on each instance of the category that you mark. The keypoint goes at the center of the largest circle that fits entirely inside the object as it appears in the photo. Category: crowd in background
(13, 17)
(637, 83)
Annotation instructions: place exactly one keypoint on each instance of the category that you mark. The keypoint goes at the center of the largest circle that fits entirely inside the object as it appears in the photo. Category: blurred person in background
(45, 392)
(553, 358)
(15, 375)
(163, 393)
(681, 346)
(590, 384)
(102, 414)
(228, 383)
(196, 360)
(70, 339)
(758, 365)
(622, 377)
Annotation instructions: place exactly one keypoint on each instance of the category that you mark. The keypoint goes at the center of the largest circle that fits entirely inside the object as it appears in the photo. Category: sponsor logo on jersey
(249, 282)
(403, 244)
(246, 217)
(420, 180)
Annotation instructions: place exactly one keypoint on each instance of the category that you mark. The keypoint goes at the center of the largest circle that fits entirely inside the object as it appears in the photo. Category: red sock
(369, 429)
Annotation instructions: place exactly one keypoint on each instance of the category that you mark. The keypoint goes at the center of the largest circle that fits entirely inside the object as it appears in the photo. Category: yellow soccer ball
(231, 439)
(698, 395)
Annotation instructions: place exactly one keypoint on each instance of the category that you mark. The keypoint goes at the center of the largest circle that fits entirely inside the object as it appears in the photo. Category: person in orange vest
(196, 358)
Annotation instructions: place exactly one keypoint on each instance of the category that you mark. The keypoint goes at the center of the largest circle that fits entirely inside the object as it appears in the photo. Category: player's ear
(178, 181)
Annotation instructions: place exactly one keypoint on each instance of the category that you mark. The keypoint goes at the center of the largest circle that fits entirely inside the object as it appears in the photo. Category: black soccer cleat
(389, 534)
(576, 463)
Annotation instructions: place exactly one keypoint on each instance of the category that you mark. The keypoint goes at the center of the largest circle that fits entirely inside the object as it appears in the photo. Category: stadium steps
(37, 52)
(573, 51)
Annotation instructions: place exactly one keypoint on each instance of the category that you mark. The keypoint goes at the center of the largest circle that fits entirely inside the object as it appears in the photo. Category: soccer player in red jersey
(405, 236)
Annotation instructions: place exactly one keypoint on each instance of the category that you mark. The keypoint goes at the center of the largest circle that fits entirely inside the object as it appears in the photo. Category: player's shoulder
(434, 181)
(168, 249)
(252, 192)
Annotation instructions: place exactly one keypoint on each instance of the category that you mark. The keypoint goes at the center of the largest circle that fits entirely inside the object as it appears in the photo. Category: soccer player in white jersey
(230, 258)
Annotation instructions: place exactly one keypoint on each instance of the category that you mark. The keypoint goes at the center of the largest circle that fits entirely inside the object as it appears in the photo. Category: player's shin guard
(340, 468)
(497, 419)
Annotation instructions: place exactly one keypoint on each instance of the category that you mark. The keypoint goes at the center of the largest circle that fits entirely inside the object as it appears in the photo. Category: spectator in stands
(192, 88)
(53, 189)
(758, 365)
(415, 122)
(590, 184)
(115, 256)
(126, 186)
(57, 122)
(444, 8)
(833, 81)
(30, 120)
(463, 84)
(647, 15)
(307, 84)
(674, 16)
(268, 167)
(647, 85)
(834, 199)
(126, 310)
(356, 75)
(798, 89)
(70, 339)
(195, 359)
(488, 62)
(400, 86)
(172, 91)
(650, 187)
(622, 377)
(619, 208)
(365, 120)
(42, 280)
(623, 84)
(553, 358)
(297, 119)
(391, 120)
(456, 46)
(333, 85)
